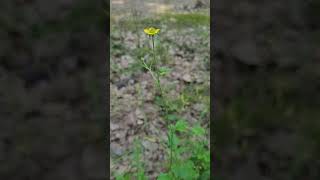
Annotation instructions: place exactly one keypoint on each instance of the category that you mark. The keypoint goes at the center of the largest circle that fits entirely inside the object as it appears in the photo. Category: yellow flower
(151, 31)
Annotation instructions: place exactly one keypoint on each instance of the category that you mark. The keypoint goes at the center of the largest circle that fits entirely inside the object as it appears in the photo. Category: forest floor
(183, 46)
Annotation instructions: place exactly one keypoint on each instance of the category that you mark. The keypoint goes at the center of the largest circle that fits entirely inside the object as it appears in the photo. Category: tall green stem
(155, 75)
(154, 54)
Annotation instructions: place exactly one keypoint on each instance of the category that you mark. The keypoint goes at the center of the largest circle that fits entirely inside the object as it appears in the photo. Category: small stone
(130, 139)
(199, 79)
(149, 145)
(131, 81)
(114, 126)
(149, 96)
(199, 107)
(119, 135)
(116, 149)
(186, 78)
(130, 119)
(139, 114)
(124, 63)
(140, 122)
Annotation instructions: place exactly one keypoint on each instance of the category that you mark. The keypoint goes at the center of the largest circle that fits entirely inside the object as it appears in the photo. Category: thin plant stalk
(156, 76)
(154, 55)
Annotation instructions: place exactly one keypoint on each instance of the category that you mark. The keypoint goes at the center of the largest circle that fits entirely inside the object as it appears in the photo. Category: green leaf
(164, 176)
(164, 71)
(198, 130)
(119, 177)
(185, 171)
(172, 117)
(141, 176)
(181, 125)
(205, 175)
(182, 150)
(173, 139)
(160, 101)
(123, 177)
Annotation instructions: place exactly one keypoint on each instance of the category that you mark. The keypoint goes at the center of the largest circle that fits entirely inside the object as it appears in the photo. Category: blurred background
(183, 45)
(52, 93)
(266, 89)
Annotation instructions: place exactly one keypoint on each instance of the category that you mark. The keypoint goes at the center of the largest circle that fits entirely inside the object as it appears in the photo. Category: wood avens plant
(187, 147)
(179, 168)
(156, 73)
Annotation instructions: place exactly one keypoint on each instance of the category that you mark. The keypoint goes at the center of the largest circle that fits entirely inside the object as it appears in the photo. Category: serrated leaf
(185, 171)
(182, 150)
(164, 71)
(198, 130)
(164, 176)
(173, 140)
(122, 177)
(181, 125)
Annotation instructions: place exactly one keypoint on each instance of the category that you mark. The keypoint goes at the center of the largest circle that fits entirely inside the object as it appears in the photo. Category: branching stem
(156, 78)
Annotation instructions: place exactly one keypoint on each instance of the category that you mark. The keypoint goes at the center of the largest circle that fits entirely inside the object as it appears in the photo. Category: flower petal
(151, 31)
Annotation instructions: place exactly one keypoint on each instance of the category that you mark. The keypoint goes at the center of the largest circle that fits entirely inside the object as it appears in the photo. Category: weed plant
(187, 149)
